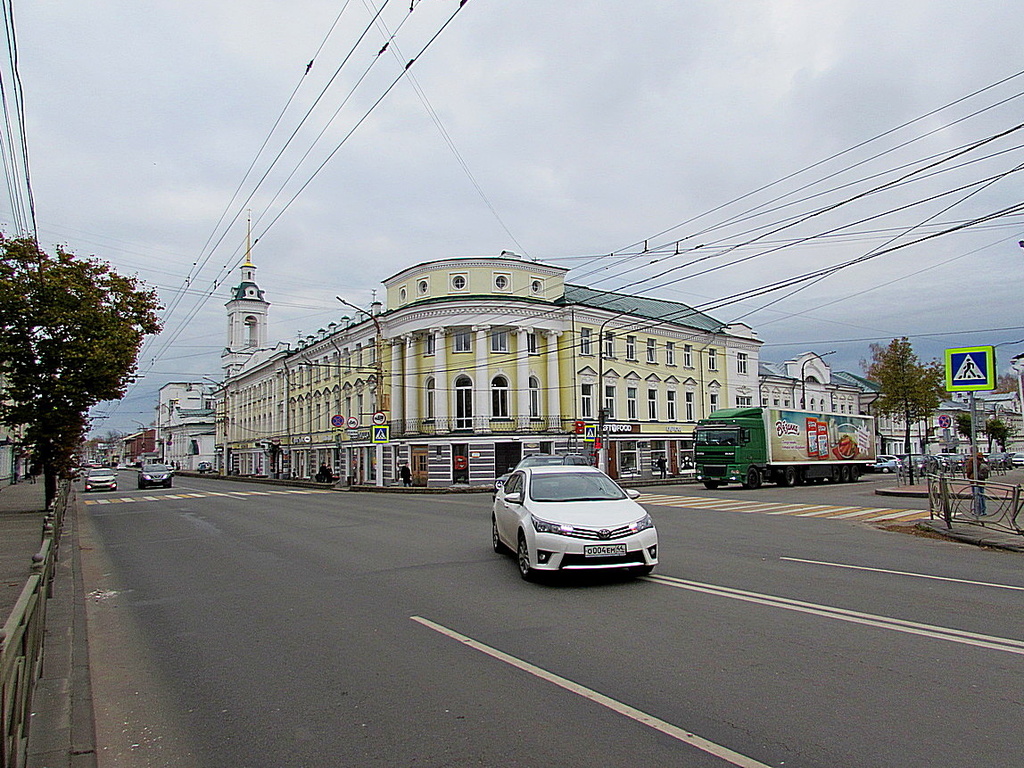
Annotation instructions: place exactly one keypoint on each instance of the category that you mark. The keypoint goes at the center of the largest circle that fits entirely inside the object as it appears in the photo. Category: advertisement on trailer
(798, 436)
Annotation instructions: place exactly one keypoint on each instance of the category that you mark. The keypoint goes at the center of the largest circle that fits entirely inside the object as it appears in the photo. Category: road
(232, 625)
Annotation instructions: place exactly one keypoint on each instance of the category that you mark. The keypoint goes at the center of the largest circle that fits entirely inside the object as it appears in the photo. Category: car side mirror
(513, 498)
(633, 493)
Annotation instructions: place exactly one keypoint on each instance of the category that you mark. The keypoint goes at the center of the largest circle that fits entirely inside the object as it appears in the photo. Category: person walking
(977, 472)
(406, 475)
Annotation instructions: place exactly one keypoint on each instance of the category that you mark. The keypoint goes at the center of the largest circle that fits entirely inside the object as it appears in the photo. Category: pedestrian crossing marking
(200, 495)
(829, 511)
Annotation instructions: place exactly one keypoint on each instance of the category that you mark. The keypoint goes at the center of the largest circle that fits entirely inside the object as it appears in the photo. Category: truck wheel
(854, 474)
(753, 479)
(711, 484)
(844, 473)
(787, 477)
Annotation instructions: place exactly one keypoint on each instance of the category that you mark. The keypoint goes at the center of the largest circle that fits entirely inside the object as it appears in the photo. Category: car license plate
(603, 550)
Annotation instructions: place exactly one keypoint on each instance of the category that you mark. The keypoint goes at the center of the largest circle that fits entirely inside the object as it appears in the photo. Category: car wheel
(711, 484)
(753, 479)
(523, 559)
(496, 539)
(167, 484)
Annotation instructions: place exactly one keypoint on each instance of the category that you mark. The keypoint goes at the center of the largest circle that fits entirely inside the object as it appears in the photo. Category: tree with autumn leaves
(909, 389)
(70, 334)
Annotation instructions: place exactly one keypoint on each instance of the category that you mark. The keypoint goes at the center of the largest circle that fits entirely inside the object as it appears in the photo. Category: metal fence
(972, 502)
(21, 639)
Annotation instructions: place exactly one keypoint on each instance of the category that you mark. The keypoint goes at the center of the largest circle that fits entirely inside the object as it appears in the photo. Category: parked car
(567, 518)
(101, 479)
(545, 460)
(885, 463)
(204, 466)
(1018, 459)
(155, 474)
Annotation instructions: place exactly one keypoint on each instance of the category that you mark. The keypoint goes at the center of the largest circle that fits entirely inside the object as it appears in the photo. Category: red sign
(460, 462)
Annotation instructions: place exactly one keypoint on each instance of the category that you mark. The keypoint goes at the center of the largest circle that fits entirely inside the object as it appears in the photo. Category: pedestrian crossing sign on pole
(589, 433)
(382, 434)
(970, 368)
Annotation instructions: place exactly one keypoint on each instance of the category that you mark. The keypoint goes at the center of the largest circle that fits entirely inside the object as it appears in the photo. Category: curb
(980, 537)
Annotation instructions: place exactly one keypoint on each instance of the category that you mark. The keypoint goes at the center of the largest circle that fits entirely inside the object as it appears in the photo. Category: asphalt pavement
(62, 731)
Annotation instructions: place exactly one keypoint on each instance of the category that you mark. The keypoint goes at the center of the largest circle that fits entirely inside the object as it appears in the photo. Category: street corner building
(469, 365)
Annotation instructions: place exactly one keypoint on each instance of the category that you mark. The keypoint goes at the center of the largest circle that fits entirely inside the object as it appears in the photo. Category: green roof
(641, 306)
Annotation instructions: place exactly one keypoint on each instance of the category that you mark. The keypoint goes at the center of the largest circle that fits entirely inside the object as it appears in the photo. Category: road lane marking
(200, 495)
(821, 511)
(687, 737)
(904, 573)
(1005, 644)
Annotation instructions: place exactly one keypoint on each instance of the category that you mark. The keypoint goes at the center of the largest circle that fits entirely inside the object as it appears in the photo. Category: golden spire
(248, 240)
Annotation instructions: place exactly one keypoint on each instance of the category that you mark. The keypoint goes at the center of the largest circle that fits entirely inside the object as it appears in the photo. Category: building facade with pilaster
(470, 364)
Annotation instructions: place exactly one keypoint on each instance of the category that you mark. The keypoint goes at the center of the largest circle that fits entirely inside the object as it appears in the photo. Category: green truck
(754, 445)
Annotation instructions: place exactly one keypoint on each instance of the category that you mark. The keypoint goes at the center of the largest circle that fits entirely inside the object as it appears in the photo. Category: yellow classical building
(470, 364)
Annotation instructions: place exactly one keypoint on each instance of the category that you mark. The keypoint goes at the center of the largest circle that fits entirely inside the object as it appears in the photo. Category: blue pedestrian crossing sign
(381, 434)
(590, 433)
(970, 368)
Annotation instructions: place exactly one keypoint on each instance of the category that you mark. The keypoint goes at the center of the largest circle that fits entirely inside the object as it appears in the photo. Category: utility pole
(384, 402)
(602, 452)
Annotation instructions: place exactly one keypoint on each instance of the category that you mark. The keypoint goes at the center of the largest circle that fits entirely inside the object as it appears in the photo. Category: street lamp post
(383, 403)
(803, 381)
(602, 452)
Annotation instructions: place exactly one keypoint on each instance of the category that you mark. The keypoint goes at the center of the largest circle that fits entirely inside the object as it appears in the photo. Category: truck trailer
(754, 445)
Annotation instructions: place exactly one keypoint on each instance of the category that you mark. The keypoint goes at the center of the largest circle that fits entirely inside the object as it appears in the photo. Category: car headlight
(642, 524)
(543, 526)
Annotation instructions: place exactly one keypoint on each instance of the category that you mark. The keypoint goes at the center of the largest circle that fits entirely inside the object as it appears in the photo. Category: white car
(566, 518)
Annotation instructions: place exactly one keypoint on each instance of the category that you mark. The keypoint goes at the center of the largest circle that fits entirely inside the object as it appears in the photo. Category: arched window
(534, 398)
(499, 397)
(429, 394)
(463, 403)
(252, 328)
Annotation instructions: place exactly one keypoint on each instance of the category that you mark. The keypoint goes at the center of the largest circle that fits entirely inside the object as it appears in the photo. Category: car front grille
(599, 534)
(581, 561)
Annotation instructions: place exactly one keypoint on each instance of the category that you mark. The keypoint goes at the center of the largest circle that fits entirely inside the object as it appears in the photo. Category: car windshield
(541, 460)
(718, 437)
(156, 468)
(100, 472)
(564, 486)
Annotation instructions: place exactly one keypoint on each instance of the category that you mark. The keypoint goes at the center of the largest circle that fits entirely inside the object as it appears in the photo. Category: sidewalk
(969, 533)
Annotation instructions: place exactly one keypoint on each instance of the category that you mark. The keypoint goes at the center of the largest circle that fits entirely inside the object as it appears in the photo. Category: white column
(554, 382)
(397, 409)
(442, 392)
(411, 379)
(522, 378)
(481, 395)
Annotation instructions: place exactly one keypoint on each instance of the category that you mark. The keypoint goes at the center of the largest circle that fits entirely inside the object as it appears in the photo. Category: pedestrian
(662, 466)
(977, 472)
(406, 475)
(323, 475)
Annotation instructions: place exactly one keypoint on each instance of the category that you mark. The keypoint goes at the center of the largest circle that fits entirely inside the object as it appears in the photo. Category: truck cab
(730, 447)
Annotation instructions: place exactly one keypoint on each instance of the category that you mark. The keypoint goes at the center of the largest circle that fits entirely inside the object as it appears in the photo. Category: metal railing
(21, 638)
(975, 502)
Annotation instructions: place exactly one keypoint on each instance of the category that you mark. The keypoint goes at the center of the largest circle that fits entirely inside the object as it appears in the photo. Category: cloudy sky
(703, 152)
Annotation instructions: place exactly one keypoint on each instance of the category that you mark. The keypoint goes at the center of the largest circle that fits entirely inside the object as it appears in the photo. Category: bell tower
(247, 319)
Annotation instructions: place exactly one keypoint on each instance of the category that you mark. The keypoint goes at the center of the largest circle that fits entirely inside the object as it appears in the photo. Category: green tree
(70, 334)
(909, 389)
(997, 430)
(963, 424)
